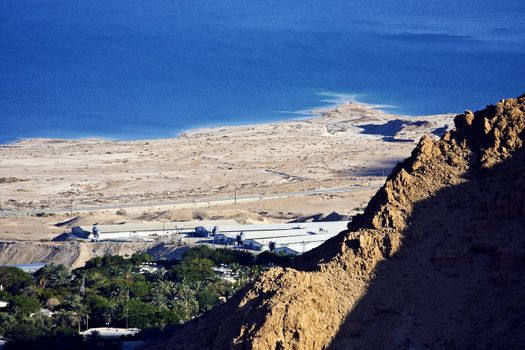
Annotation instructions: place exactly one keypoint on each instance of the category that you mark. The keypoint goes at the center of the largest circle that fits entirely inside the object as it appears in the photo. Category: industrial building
(289, 245)
(286, 229)
(137, 231)
(290, 238)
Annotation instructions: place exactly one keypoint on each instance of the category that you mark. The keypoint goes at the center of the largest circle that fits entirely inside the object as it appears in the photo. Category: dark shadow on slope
(373, 171)
(440, 131)
(322, 217)
(381, 168)
(227, 320)
(458, 281)
(389, 129)
(67, 223)
(394, 139)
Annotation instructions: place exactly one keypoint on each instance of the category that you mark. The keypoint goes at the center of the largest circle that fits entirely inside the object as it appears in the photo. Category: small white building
(43, 312)
(149, 268)
(3, 343)
(110, 332)
(292, 245)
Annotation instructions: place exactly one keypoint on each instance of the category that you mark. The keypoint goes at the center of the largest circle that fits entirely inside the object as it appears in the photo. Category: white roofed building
(130, 231)
(297, 244)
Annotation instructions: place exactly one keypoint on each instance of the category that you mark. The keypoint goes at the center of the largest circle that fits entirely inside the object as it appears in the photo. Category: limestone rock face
(435, 261)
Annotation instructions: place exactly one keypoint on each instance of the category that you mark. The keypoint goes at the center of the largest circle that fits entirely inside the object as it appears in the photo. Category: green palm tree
(121, 298)
(159, 274)
(164, 287)
(127, 274)
(243, 276)
(53, 275)
(80, 308)
(162, 292)
(185, 302)
(255, 271)
(110, 311)
(96, 278)
(198, 285)
(235, 267)
(159, 301)
(115, 271)
(83, 311)
(65, 318)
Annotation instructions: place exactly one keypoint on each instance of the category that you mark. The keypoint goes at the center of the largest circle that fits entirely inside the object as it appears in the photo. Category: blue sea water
(148, 68)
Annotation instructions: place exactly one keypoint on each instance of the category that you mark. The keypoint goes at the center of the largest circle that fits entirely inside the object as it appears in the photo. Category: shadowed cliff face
(436, 260)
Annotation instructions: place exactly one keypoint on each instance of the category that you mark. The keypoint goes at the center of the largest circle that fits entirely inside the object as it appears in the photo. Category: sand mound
(319, 217)
(91, 219)
(239, 215)
(435, 261)
(68, 223)
(168, 215)
(71, 254)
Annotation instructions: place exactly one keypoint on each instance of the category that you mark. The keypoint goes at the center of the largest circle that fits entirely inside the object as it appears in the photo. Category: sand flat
(343, 146)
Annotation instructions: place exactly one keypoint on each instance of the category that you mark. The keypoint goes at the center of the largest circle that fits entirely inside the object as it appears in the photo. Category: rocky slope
(436, 260)
(75, 254)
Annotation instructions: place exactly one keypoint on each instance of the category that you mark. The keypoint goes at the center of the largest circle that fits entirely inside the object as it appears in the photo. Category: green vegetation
(113, 291)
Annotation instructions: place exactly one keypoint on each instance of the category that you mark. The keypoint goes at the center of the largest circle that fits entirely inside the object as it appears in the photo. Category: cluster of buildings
(288, 238)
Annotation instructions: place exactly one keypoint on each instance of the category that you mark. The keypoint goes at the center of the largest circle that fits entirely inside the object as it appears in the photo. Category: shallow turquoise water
(141, 69)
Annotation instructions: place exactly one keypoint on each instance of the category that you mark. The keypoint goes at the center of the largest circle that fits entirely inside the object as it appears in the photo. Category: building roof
(329, 226)
(283, 230)
(268, 234)
(110, 332)
(158, 226)
(296, 239)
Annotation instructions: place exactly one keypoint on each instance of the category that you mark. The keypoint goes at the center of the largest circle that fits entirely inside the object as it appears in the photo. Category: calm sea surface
(147, 69)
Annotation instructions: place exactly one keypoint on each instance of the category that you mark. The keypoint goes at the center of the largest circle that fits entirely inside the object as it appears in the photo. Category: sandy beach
(350, 145)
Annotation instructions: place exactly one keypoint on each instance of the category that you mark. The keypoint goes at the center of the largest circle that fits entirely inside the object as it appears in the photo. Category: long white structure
(144, 230)
(282, 230)
(110, 332)
(295, 238)
(312, 227)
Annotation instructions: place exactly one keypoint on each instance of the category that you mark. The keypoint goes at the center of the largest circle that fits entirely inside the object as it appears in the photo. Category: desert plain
(332, 161)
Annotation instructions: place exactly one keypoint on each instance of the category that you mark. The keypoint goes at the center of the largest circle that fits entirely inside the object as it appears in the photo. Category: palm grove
(115, 291)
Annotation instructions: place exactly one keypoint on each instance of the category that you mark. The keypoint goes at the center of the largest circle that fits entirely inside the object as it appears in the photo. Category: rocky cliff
(437, 260)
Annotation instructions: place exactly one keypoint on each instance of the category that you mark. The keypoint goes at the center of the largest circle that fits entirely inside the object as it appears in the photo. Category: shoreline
(80, 167)
(350, 146)
(306, 114)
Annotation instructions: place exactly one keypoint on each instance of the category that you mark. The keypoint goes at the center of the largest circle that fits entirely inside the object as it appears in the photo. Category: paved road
(182, 202)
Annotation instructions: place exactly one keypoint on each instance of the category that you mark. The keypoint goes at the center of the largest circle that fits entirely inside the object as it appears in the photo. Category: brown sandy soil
(434, 262)
(32, 227)
(28, 228)
(75, 254)
(348, 145)
(326, 151)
